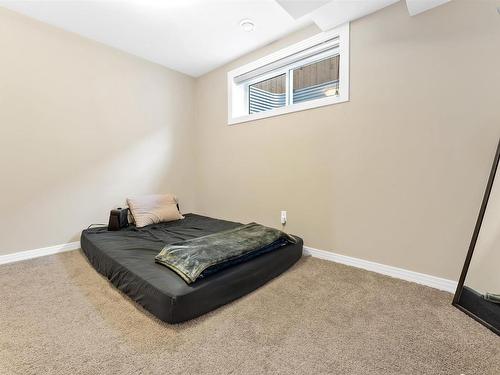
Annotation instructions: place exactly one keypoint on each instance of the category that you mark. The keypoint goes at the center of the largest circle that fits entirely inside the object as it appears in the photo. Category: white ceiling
(299, 8)
(418, 6)
(331, 13)
(191, 36)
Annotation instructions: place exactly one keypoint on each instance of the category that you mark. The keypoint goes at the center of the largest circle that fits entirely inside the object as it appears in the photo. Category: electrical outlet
(283, 217)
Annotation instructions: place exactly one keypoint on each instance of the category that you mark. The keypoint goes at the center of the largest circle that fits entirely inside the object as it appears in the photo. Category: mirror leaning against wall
(478, 291)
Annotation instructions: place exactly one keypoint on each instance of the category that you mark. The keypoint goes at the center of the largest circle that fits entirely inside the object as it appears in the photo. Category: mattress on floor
(126, 258)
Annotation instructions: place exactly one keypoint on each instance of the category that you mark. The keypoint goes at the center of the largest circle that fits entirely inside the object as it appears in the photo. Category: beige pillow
(153, 209)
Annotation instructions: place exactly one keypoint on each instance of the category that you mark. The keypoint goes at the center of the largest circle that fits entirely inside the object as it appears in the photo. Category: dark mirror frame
(475, 235)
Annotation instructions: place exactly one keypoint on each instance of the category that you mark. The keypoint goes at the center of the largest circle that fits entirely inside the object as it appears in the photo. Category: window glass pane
(267, 94)
(316, 80)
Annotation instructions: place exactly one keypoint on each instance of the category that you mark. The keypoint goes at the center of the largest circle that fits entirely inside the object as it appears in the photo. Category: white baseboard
(399, 273)
(29, 254)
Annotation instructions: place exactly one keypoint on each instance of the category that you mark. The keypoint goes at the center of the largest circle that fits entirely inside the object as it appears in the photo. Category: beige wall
(395, 175)
(83, 126)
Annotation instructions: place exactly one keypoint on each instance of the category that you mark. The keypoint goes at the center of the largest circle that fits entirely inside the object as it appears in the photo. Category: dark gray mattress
(126, 258)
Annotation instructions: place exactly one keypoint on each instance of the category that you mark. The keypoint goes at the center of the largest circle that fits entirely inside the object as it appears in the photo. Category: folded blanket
(190, 258)
(495, 298)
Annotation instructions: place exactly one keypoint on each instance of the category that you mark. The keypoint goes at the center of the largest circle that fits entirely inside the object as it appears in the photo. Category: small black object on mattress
(127, 259)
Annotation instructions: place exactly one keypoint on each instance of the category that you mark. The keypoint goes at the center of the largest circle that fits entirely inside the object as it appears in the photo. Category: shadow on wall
(86, 193)
(83, 126)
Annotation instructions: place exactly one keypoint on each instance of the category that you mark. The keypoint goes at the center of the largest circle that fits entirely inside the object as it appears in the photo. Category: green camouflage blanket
(191, 257)
(492, 297)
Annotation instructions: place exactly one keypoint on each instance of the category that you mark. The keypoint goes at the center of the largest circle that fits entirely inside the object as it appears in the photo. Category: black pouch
(118, 219)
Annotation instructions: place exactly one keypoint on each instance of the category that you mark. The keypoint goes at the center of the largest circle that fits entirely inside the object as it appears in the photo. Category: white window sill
(290, 109)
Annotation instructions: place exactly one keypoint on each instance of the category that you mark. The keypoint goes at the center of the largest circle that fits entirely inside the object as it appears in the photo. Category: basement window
(309, 74)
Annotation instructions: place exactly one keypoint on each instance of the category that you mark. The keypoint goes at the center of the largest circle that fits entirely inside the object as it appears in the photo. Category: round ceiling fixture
(247, 25)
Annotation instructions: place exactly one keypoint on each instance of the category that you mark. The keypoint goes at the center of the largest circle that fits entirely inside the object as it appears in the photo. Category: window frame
(239, 91)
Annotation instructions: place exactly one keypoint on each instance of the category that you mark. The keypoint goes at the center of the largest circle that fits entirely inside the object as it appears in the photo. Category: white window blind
(289, 60)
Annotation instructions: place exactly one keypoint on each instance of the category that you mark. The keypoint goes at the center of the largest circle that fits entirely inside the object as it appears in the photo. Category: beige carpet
(58, 316)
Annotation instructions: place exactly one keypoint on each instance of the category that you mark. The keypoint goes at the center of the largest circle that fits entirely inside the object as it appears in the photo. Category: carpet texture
(58, 316)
